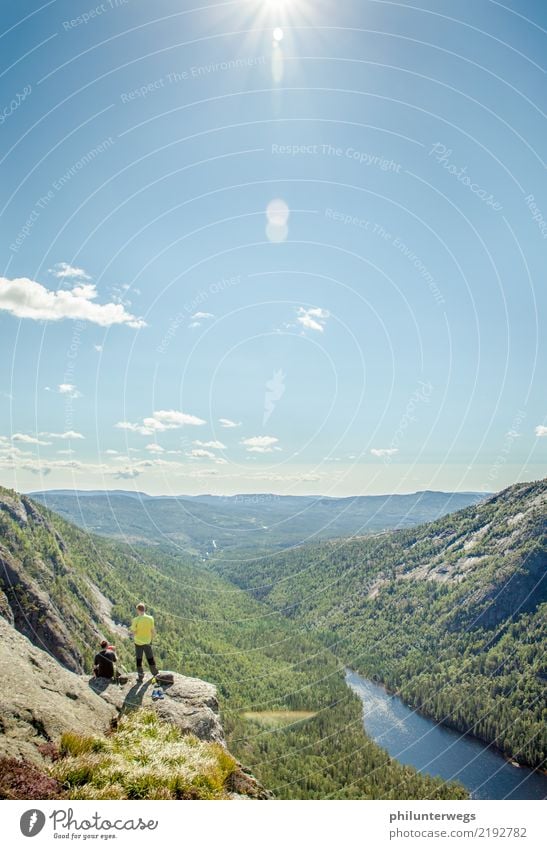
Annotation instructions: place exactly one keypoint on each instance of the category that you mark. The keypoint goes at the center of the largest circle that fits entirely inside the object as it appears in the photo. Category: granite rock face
(40, 699)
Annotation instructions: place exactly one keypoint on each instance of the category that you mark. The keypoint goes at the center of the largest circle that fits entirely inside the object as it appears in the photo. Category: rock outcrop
(39, 699)
(190, 704)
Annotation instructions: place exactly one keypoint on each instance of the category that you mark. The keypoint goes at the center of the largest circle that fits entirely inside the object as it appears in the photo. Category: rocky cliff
(39, 699)
(41, 594)
(44, 708)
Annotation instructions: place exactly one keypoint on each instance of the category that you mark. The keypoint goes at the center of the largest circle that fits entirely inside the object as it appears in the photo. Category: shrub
(22, 780)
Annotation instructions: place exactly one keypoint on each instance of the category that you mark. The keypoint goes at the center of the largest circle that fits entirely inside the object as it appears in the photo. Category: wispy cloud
(541, 430)
(313, 319)
(154, 448)
(65, 271)
(127, 474)
(228, 423)
(200, 454)
(68, 434)
(29, 440)
(160, 421)
(305, 477)
(24, 298)
(384, 452)
(261, 444)
(214, 443)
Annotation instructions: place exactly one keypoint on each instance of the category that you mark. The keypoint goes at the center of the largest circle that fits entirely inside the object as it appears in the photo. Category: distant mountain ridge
(64, 590)
(260, 521)
(451, 614)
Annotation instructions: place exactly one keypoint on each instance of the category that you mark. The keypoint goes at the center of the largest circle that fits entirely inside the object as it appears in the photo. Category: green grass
(145, 758)
(278, 718)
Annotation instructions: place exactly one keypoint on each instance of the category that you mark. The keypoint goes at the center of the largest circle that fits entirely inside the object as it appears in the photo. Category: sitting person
(104, 665)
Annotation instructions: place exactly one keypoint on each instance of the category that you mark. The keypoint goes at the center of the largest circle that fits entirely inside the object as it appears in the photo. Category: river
(434, 749)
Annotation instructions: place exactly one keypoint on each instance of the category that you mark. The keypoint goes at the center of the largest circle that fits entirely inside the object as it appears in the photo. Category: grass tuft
(146, 758)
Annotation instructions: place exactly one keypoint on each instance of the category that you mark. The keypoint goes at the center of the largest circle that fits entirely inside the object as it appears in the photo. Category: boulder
(190, 704)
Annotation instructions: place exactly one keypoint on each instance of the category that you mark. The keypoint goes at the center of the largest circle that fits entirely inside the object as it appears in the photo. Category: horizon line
(135, 492)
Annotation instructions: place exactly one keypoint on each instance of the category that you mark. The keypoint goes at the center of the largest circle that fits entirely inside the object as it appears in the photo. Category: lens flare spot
(277, 212)
(277, 233)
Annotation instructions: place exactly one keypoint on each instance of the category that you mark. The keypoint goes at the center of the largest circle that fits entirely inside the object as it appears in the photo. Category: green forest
(450, 615)
(208, 628)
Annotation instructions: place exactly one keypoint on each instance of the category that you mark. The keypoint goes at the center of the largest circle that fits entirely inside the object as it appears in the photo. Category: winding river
(431, 748)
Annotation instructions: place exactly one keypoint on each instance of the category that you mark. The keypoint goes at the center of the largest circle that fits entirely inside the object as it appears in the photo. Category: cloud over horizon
(261, 444)
(384, 452)
(160, 421)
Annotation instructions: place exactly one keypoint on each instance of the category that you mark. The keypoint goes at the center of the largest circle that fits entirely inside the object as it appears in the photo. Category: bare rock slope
(40, 699)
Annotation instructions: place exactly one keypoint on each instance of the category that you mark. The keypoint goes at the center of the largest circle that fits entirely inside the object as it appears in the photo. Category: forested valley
(450, 615)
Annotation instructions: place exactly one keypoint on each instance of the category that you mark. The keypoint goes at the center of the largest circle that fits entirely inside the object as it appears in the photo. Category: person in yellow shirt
(143, 632)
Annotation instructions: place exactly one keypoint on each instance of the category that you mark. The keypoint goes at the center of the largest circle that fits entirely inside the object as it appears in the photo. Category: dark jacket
(104, 663)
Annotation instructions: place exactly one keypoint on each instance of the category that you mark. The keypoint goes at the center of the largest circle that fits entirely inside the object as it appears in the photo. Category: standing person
(104, 662)
(143, 632)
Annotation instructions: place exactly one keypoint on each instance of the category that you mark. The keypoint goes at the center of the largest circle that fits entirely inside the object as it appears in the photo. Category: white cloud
(135, 428)
(214, 443)
(98, 348)
(154, 448)
(68, 389)
(160, 421)
(195, 324)
(200, 454)
(26, 298)
(111, 451)
(229, 423)
(261, 444)
(64, 271)
(67, 452)
(29, 440)
(313, 319)
(199, 316)
(384, 452)
(68, 434)
(541, 430)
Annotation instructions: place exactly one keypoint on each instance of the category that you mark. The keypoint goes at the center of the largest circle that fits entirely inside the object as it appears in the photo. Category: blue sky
(272, 246)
